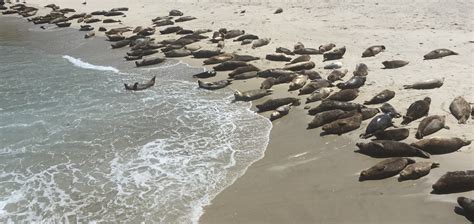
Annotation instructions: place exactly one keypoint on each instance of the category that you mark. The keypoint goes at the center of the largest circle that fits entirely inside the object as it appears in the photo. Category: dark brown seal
(418, 109)
(385, 169)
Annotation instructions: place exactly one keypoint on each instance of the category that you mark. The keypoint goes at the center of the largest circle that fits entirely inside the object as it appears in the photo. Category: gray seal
(441, 145)
(337, 74)
(394, 64)
(373, 50)
(298, 82)
(460, 109)
(381, 97)
(439, 53)
(326, 47)
(345, 95)
(206, 53)
(332, 105)
(137, 86)
(396, 134)
(426, 84)
(430, 125)
(243, 69)
(417, 170)
(388, 108)
(418, 109)
(353, 83)
(314, 85)
(319, 94)
(361, 70)
(149, 61)
(251, 94)
(307, 65)
(268, 83)
(280, 112)
(334, 54)
(328, 117)
(277, 57)
(378, 124)
(272, 104)
(343, 125)
(229, 65)
(260, 42)
(466, 208)
(301, 58)
(284, 51)
(385, 169)
(454, 182)
(214, 85)
(388, 148)
(246, 75)
(176, 53)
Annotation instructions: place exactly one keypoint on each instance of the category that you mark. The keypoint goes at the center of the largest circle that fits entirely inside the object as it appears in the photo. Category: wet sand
(305, 178)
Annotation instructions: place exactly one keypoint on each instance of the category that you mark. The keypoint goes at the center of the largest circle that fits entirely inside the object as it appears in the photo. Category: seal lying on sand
(385, 169)
(387, 148)
(361, 70)
(318, 95)
(307, 65)
(246, 75)
(229, 65)
(272, 104)
(441, 145)
(460, 109)
(343, 125)
(299, 59)
(453, 182)
(344, 95)
(137, 86)
(439, 53)
(284, 51)
(335, 54)
(388, 108)
(326, 47)
(268, 83)
(381, 97)
(426, 84)
(396, 134)
(277, 57)
(394, 64)
(337, 74)
(332, 105)
(205, 74)
(329, 116)
(214, 85)
(418, 109)
(298, 82)
(373, 50)
(260, 42)
(280, 112)
(149, 61)
(417, 170)
(430, 125)
(378, 124)
(251, 94)
(314, 85)
(353, 83)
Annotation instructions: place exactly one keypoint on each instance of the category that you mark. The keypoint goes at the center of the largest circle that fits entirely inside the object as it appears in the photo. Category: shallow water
(76, 147)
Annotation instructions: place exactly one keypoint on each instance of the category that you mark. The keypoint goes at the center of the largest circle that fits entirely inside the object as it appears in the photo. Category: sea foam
(79, 63)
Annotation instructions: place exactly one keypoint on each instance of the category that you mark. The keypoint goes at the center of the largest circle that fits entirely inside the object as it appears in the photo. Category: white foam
(79, 63)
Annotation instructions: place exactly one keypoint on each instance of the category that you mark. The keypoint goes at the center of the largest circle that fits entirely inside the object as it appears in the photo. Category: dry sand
(305, 178)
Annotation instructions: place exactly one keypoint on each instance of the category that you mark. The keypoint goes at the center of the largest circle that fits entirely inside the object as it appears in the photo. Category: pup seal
(460, 109)
(396, 134)
(394, 64)
(318, 95)
(388, 148)
(453, 182)
(335, 54)
(345, 95)
(343, 125)
(373, 50)
(378, 124)
(280, 112)
(417, 170)
(272, 104)
(353, 83)
(426, 84)
(214, 85)
(439, 53)
(381, 97)
(137, 86)
(385, 169)
(418, 109)
(441, 145)
(251, 94)
(298, 82)
(430, 125)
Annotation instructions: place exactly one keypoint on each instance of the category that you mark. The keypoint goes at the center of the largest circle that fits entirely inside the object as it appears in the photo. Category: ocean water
(76, 147)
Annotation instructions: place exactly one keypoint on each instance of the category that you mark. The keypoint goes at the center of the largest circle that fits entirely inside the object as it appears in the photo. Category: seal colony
(335, 89)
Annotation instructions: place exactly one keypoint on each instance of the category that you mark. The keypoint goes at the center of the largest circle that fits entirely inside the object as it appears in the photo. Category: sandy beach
(306, 178)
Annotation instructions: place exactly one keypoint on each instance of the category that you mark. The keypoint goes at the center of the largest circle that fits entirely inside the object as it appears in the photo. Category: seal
(251, 94)
(171, 29)
(396, 134)
(353, 83)
(284, 51)
(218, 59)
(137, 86)
(120, 44)
(306, 65)
(124, 9)
(381, 97)
(373, 50)
(286, 78)
(63, 24)
(298, 82)
(277, 57)
(439, 53)
(246, 37)
(418, 109)
(378, 124)
(441, 145)
(326, 47)
(426, 84)
(175, 12)
(430, 125)
(89, 35)
(133, 58)
(342, 126)
(417, 170)
(312, 75)
(327, 117)
(246, 75)
(214, 85)
(111, 21)
(299, 59)
(280, 112)
(275, 73)
(205, 74)
(334, 65)
(165, 22)
(115, 37)
(454, 182)
(388, 148)
(114, 13)
(332, 105)
(361, 70)
(273, 104)
(184, 19)
(268, 83)
(394, 64)
(176, 53)
(388, 108)
(233, 33)
(306, 51)
(336, 75)
(368, 113)
(260, 42)
(278, 11)
(385, 169)
(460, 109)
(149, 61)
(142, 52)
(466, 208)
(240, 70)
(334, 54)
(314, 85)
(229, 65)
(86, 28)
(98, 13)
(345, 95)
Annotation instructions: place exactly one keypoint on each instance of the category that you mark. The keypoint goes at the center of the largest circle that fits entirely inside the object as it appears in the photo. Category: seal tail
(435, 165)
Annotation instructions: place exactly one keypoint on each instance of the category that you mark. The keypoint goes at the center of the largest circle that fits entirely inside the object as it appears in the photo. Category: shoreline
(273, 172)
